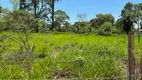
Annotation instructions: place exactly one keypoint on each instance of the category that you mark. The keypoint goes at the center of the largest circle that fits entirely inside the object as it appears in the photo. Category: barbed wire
(134, 77)
(94, 60)
(106, 78)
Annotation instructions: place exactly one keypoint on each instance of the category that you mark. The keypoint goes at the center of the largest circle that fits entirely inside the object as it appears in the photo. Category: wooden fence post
(131, 59)
(141, 67)
(139, 36)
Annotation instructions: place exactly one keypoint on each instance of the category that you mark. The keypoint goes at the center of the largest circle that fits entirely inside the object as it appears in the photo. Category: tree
(101, 19)
(0, 11)
(38, 7)
(52, 6)
(119, 25)
(16, 4)
(42, 9)
(61, 18)
(138, 14)
(19, 16)
(46, 8)
(105, 29)
(35, 3)
(77, 26)
(82, 17)
(128, 10)
(31, 5)
(2, 21)
(67, 27)
(3, 11)
(82, 26)
(22, 4)
(128, 25)
(94, 23)
(128, 17)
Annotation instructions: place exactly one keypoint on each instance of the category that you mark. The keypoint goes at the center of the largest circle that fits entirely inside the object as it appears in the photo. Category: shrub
(82, 27)
(43, 26)
(2, 24)
(19, 21)
(105, 29)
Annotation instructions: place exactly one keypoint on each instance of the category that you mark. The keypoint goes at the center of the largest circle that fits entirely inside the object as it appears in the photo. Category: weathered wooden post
(139, 36)
(131, 59)
(141, 67)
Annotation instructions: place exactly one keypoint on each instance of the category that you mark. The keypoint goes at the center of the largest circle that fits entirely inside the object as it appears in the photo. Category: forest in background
(39, 16)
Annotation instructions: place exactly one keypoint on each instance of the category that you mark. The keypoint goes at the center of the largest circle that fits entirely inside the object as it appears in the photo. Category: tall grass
(65, 55)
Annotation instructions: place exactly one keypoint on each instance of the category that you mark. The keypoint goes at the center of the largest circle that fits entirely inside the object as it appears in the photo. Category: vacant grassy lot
(63, 55)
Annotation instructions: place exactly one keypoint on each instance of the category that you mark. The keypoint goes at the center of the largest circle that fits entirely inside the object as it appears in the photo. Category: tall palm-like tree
(128, 17)
(128, 24)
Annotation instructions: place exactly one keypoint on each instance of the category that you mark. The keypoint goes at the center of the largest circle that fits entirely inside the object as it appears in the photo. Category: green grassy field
(63, 55)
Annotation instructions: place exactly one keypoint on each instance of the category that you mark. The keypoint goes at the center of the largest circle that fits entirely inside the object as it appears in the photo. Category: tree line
(39, 16)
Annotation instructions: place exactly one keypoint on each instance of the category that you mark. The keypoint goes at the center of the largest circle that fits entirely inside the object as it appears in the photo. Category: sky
(89, 7)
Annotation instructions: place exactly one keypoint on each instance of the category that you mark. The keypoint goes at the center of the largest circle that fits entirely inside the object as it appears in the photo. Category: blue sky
(89, 7)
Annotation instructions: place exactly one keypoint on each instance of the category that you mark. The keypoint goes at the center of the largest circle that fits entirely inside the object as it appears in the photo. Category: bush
(19, 21)
(43, 26)
(82, 27)
(2, 24)
(105, 29)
